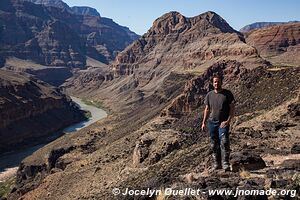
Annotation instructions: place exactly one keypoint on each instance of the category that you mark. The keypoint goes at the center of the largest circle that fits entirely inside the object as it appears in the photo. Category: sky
(139, 15)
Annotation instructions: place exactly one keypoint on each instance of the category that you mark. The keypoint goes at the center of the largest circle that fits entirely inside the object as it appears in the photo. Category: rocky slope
(84, 10)
(171, 151)
(51, 33)
(175, 46)
(153, 139)
(31, 110)
(259, 25)
(30, 31)
(55, 3)
(278, 44)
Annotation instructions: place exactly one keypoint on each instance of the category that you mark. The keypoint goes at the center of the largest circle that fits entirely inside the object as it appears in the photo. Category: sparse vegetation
(245, 174)
(186, 129)
(87, 114)
(97, 104)
(6, 186)
(296, 178)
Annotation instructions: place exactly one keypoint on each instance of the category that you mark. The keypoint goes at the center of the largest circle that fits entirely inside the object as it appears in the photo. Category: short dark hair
(219, 76)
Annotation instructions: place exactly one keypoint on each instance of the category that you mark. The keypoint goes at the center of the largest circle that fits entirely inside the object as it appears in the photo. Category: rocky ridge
(84, 10)
(153, 139)
(54, 35)
(170, 150)
(259, 25)
(279, 44)
(31, 110)
(175, 46)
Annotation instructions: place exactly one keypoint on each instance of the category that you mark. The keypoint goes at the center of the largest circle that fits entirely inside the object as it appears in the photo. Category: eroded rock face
(154, 146)
(246, 161)
(30, 31)
(279, 44)
(294, 109)
(259, 25)
(84, 10)
(174, 44)
(31, 110)
(144, 149)
(52, 34)
(295, 148)
(196, 88)
(196, 40)
(55, 3)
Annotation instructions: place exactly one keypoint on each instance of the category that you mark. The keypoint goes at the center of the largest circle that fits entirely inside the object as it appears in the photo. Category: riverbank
(9, 161)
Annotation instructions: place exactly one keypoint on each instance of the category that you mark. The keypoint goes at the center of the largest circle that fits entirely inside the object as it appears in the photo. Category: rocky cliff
(55, 3)
(31, 110)
(153, 140)
(278, 44)
(29, 31)
(259, 25)
(51, 33)
(199, 39)
(169, 150)
(84, 10)
(175, 46)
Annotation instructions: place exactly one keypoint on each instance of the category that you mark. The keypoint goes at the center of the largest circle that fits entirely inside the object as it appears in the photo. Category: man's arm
(205, 114)
(231, 115)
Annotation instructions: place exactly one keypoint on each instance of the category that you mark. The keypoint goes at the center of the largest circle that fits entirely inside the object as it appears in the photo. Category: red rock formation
(174, 44)
(183, 43)
(52, 34)
(280, 44)
(196, 88)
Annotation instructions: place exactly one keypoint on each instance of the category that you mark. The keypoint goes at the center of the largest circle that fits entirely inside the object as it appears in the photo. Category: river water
(9, 162)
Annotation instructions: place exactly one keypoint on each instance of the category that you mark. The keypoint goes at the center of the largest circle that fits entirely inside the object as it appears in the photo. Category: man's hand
(203, 127)
(224, 124)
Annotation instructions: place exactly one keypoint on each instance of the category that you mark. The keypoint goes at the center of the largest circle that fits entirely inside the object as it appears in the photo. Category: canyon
(154, 89)
(31, 110)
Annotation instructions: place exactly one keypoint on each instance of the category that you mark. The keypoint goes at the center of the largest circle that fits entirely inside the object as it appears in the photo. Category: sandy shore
(9, 162)
(8, 173)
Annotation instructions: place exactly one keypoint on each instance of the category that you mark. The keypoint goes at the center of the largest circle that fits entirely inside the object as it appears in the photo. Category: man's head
(217, 81)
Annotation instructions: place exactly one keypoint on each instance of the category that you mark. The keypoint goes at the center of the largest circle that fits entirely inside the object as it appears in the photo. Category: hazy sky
(139, 15)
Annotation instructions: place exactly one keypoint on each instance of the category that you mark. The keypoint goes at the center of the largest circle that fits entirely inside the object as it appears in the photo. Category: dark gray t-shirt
(219, 104)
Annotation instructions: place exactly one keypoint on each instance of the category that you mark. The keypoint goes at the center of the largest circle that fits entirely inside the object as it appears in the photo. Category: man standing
(219, 104)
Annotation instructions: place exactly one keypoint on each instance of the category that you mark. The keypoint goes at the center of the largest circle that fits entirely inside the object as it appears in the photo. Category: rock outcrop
(50, 33)
(174, 46)
(278, 44)
(183, 43)
(31, 32)
(153, 139)
(31, 110)
(84, 10)
(259, 25)
(54, 3)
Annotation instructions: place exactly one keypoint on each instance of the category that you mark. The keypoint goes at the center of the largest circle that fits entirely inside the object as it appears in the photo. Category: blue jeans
(215, 132)
(219, 138)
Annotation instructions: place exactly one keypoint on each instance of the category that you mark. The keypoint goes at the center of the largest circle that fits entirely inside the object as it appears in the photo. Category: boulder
(295, 148)
(247, 161)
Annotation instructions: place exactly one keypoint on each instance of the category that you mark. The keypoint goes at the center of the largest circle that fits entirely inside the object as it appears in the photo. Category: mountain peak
(215, 20)
(169, 23)
(259, 25)
(174, 22)
(54, 3)
(85, 10)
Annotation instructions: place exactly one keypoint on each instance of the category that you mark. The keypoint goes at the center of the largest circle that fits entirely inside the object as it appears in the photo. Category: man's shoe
(216, 167)
(226, 167)
(216, 161)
